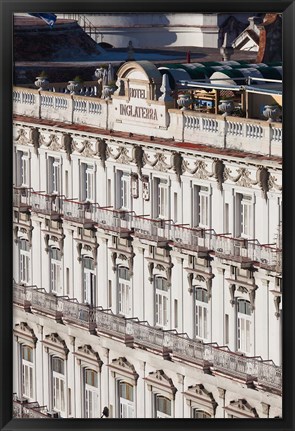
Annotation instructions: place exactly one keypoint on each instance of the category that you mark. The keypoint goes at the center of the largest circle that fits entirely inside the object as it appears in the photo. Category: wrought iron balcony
(161, 232)
(22, 408)
(153, 230)
(140, 334)
(48, 204)
(22, 198)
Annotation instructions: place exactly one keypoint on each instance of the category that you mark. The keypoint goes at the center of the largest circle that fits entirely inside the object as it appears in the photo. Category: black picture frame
(287, 7)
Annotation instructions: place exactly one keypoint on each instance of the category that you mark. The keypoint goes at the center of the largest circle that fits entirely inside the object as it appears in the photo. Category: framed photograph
(147, 215)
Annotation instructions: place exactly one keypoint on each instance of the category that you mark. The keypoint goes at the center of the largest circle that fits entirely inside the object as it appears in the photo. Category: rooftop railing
(126, 223)
(141, 334)
(212, 129)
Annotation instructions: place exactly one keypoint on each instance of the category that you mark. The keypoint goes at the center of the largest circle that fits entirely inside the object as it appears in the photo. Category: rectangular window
(201, 207)
(161, 302)
(124, 189)
(226, 329)
(27, 372)
(244, 335)
(54, 183)
(110, 294)
(67, 183)
(226, 218)
(126, 400)
(87, 182)
(124, 292)
(161, 208)
(244, 326)
(55, 271)
(24, 260)
(175, 313)
(201, 313)
(163, 407)
(91, 394)
(244, 215)
(23, 169)
(68, 280)
(109, 193)
(175, 208)
(58, 385)
(89, 281)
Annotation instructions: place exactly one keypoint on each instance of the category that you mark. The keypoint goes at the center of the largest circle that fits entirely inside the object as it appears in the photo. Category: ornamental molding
(199, 170)
(155, 266)
(242, 178)
(25, 334)
(54, 343)
(241, 408)
(21, 137)
(53, 143)
(201, 396)
(122, 155)
(242, 287)
(123, 367)
(273, 183)
(85, 148)
(159, 162)
(160, 380)
(87, 354)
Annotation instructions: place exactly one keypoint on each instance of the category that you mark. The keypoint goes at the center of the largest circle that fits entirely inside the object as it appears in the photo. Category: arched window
(89, 281)
(58, 384)
(201, 313)
(244, 322)
(161, 301)
(124, 292)
(27, 370)
(55, 271)
(91, 404)
(163, 407)
(200, 414)
(126, 400)
(24, 261)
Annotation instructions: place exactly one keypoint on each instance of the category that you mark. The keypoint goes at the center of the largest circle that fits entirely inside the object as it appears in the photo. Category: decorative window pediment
(199, 397)
(158, 381)
(241, 409)
(122, 367)
(25, 334)
(53, 344)
(87, 356)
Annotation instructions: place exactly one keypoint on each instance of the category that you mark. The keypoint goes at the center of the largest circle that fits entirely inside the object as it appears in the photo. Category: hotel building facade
(147, 255)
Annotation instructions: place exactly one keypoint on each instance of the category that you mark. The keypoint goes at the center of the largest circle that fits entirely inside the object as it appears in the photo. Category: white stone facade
(142, 226)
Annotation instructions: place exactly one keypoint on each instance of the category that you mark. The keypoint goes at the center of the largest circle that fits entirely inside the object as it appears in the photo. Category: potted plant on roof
(226, 106)
(184, 100)
(272, 112)
(42, 81)
(75, 85)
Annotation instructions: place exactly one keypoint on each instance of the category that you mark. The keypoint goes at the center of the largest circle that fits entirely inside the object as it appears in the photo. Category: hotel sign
(129, 110)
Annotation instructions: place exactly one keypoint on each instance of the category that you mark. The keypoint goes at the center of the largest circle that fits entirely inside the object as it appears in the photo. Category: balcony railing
(22, 408)
(49, 204)
(126, 223)
(142, 335)
(22, 198)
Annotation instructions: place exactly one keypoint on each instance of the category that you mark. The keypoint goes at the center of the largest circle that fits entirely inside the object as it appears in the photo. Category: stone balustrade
(126, 223)
(136, 333)
(245, 134)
